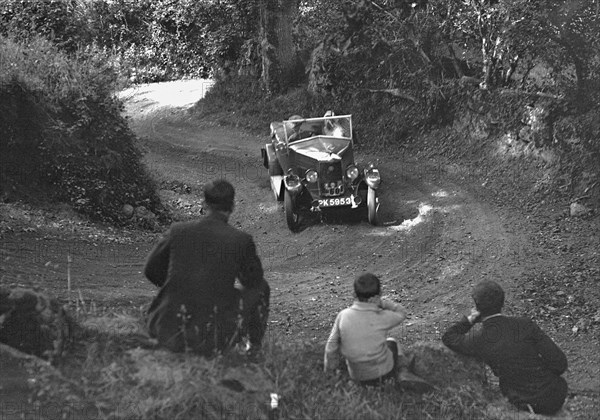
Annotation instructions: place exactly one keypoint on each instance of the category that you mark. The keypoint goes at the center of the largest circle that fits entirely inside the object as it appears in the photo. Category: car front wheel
(372, 206)
(291, 214)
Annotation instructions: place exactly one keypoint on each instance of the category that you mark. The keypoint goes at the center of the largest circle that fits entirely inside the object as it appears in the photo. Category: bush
(157, 39)
(62, 123)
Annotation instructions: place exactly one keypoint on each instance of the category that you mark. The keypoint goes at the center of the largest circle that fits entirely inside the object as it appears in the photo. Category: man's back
(524, 358)
(196, 265)
(206, 258)
(359, 333)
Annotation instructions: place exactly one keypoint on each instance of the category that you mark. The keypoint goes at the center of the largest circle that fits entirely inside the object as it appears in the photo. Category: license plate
(337, 201)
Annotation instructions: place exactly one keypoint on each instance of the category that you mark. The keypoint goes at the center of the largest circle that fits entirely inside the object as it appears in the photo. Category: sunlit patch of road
(178, 94)
(424, 210)
(440, 194)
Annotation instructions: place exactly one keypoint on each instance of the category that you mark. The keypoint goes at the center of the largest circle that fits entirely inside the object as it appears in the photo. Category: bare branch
(538, 94)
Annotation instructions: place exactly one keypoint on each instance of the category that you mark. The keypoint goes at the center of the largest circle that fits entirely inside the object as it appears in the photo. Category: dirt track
(436, 240)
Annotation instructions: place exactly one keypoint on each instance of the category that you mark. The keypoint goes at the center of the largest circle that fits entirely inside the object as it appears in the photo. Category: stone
(127, 210)
(141, 211)
(577, 210)
(34, 323)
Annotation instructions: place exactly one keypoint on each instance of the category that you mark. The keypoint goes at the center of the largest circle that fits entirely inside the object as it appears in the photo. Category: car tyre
(372, 206)
(291, 214)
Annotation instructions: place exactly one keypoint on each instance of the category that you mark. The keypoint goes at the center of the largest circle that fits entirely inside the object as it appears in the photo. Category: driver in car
(295, 128)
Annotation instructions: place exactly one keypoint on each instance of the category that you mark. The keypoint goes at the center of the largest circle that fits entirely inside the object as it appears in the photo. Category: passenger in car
(332, 128)
(360, 335)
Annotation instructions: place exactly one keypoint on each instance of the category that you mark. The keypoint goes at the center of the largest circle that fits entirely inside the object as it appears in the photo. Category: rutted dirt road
(436, 239)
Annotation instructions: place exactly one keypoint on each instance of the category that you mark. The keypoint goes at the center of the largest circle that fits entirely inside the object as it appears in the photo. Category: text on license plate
(338, 201)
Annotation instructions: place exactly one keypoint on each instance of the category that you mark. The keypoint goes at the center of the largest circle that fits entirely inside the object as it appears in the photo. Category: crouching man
(527, 362)
(198, 307)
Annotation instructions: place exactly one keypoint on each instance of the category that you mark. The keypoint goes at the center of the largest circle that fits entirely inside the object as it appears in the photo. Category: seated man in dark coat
(528, 363)
(198, 307)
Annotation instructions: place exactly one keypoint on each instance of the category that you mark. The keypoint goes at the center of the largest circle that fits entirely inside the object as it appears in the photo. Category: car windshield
(336, 126)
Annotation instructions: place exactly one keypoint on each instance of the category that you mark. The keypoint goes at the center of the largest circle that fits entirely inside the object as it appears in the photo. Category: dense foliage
(61, 130)
(154, 40)
(401, 67)
(526, 70)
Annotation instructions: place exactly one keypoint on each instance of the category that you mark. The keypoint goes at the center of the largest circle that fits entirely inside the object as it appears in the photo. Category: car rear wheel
(372, 206)
(291, 214)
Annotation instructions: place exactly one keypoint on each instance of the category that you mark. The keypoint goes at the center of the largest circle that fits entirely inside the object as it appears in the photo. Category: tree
(576, 28)
(519, 34)
(278, 52)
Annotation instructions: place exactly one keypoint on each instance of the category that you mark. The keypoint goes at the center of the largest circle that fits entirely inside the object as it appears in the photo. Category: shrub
(62, 123)
(158, 39)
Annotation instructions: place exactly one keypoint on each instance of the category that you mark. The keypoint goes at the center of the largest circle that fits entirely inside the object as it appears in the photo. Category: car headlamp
(352, 172)
(311, 176)
(372, 176)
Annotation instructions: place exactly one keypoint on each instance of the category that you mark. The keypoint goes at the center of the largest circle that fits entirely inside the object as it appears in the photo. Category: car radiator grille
(331, 179)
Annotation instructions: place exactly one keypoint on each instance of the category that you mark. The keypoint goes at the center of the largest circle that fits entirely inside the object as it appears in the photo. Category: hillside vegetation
(526, 75)
(503, 95)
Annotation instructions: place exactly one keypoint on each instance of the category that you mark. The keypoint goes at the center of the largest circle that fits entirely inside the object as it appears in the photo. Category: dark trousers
(208, 331)
(551, 401)
(255, 313)
(392, 374)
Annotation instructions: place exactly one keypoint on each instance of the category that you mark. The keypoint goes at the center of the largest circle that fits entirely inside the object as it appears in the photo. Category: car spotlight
(292, 182)
(372, 176)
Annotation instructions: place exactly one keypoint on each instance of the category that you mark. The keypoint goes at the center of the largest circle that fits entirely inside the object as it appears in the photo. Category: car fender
(270, 160)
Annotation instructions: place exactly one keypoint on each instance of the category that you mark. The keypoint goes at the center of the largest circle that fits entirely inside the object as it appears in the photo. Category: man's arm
(458, 337)
(551, 354)
(393, 306)
(251, 274)
(332, 348)
(399, 313)
(157, 263)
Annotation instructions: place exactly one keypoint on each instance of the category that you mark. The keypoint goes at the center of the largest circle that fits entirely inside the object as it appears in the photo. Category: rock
(21, 375)
(145, 218)
(141, 211)
(597, 317)
(577, 210)
(127, 210)
(34, 323)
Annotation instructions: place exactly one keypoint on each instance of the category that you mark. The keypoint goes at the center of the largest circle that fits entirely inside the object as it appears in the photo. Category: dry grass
(114, 372)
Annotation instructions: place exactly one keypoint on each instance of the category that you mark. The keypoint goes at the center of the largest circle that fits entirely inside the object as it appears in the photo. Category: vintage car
(311, 165)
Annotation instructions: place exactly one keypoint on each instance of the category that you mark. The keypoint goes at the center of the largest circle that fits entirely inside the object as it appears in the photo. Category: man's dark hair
(366, 286)
(218, 195)
(488, 297)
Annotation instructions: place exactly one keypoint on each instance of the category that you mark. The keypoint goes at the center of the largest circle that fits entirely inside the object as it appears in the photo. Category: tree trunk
(278, 54)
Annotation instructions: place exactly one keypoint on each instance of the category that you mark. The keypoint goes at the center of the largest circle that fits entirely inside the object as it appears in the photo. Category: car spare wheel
(372, 205)
(291, 214)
